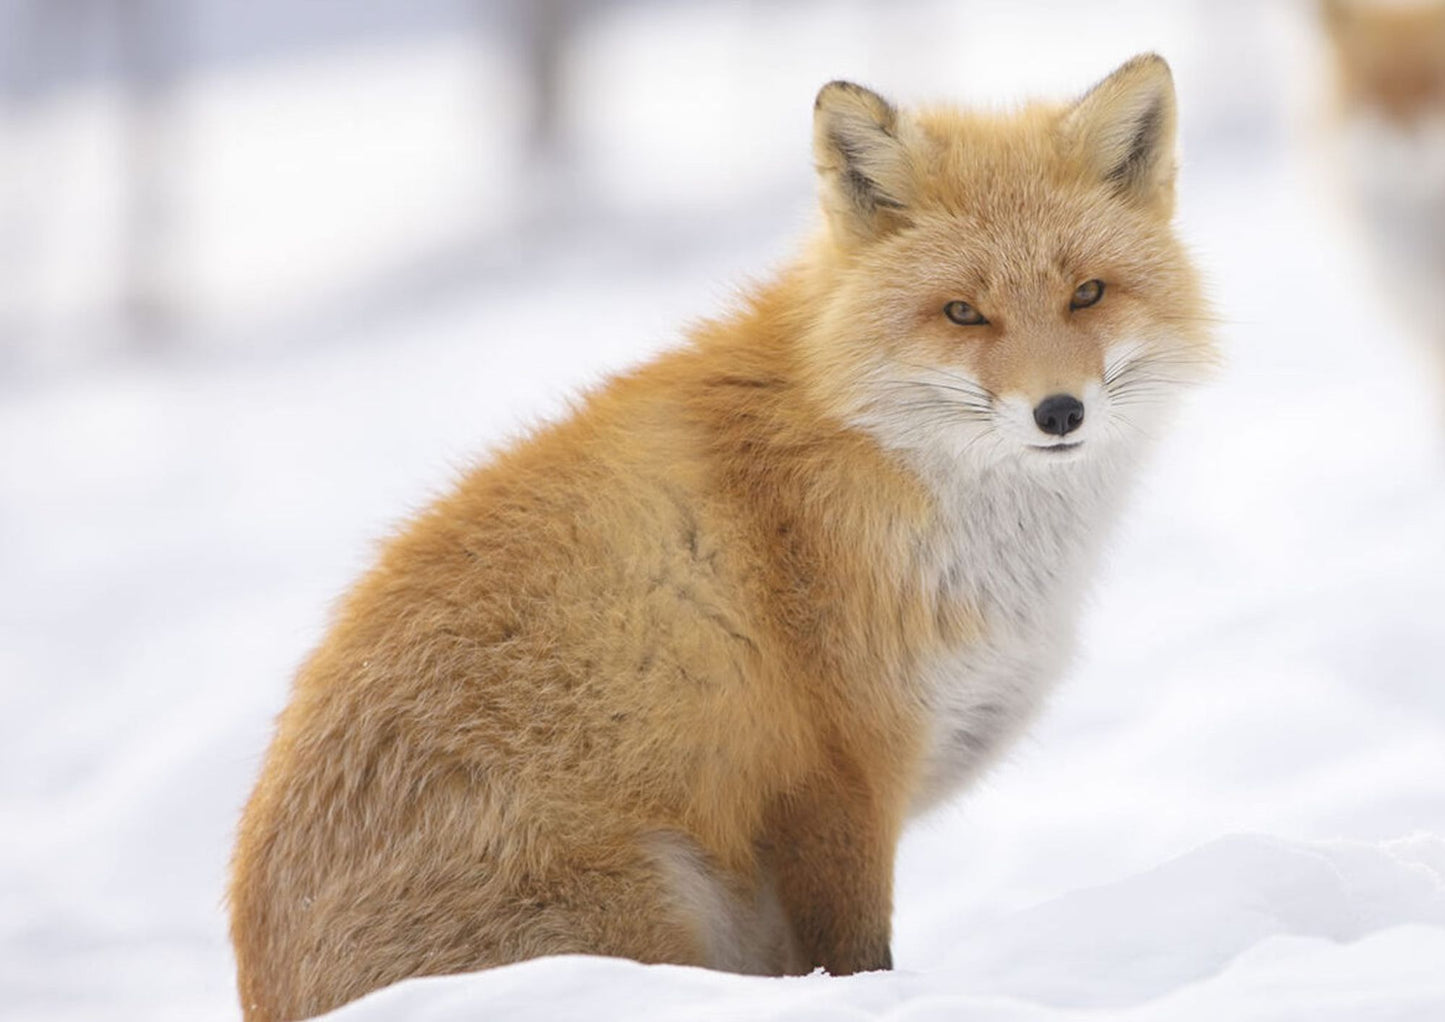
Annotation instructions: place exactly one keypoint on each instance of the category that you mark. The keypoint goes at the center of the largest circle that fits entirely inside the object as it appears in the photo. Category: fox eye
(1087, 294)
(964, 314)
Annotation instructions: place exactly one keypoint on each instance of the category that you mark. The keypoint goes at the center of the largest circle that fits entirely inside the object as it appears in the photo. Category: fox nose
(1059, 414)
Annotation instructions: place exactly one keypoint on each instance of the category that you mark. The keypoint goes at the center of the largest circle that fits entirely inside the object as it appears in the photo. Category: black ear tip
(1149, 62)
(834, 87)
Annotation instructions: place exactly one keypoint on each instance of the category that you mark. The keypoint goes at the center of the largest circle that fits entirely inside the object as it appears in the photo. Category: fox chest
(981, 698)
(1023, 570)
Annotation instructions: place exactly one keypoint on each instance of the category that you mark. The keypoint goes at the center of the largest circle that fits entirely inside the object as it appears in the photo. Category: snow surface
(1234, 809)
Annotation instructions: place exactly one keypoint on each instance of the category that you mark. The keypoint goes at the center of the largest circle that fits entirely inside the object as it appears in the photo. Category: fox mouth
(1055, 449)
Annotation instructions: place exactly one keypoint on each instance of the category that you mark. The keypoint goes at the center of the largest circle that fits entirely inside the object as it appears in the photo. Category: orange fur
(651, 682)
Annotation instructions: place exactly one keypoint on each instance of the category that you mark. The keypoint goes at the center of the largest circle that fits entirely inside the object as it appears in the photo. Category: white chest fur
(1019, 546)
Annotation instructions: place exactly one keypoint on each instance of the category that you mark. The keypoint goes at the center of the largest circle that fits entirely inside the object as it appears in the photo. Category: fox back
(666, 679)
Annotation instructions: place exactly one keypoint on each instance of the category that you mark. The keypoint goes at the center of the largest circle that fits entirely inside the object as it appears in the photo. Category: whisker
(930, 395)
(922, 385)
(956, 378)
(1124, 420)
(937, 413)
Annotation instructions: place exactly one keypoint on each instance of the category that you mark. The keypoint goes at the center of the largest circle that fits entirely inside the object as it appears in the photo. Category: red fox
(1390, 70)
(666, 679)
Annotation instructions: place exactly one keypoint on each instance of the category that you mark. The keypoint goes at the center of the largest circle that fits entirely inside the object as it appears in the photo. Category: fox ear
(864, 169)
(1123, 131)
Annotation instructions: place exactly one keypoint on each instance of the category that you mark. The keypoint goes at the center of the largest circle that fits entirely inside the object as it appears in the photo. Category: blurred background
(215, 173)
(272, 271)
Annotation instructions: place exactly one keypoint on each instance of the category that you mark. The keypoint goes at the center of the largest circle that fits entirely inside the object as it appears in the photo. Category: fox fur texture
(667, 678)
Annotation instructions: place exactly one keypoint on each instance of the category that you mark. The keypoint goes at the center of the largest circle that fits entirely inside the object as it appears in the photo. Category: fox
(1389, 114)
(666, 678)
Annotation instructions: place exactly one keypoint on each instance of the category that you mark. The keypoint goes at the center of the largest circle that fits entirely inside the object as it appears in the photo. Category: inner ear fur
(1123, 131)
(861, 154)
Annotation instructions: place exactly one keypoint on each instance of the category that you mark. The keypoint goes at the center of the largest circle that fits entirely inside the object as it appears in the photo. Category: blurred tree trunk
(150, 49)
(543, 29)
(16, 26)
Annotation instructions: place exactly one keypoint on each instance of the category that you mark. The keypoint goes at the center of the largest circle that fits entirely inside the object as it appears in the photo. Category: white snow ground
(1235, 808)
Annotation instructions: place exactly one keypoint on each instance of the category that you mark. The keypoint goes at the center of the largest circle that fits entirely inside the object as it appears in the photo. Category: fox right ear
(1122, 131)
(864, 168)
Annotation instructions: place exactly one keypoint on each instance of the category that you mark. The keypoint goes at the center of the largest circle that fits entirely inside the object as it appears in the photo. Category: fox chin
(667, 678)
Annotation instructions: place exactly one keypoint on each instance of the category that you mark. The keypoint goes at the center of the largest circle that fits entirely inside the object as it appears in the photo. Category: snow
(1241, 928)
(1234, 809)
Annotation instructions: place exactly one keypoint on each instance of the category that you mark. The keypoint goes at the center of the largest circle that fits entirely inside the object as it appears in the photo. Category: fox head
(1004, 288)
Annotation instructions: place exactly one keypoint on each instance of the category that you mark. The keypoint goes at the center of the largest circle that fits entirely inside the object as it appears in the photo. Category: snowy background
(268, 282)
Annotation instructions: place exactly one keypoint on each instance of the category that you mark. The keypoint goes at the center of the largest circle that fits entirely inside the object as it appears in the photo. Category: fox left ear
(1123, 132)
(864, 165)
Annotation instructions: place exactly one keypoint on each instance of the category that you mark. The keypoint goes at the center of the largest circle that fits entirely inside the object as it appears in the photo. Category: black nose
(1059, 414)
